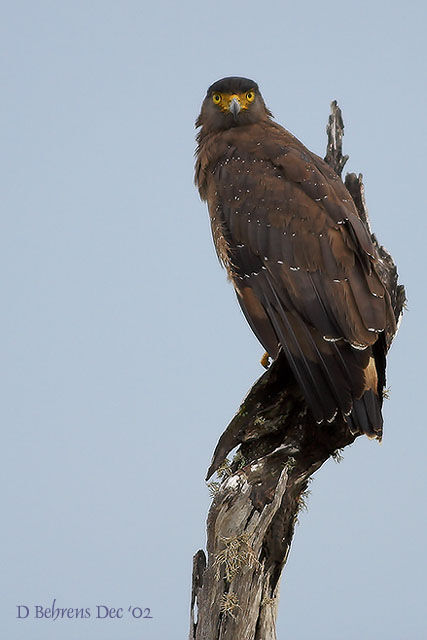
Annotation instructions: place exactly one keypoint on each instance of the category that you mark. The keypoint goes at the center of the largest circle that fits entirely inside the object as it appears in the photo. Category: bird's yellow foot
(265, 360)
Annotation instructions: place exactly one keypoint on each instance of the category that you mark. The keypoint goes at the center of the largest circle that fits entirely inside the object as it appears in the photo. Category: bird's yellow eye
(250, 96)
(216, 98)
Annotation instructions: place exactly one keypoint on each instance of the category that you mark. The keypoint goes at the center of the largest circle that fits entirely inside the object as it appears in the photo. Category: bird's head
(232, 102)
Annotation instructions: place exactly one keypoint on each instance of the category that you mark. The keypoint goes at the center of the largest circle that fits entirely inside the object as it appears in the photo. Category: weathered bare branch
(258, 495)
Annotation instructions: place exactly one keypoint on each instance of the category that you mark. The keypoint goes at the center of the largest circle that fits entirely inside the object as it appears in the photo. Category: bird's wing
(304, 269)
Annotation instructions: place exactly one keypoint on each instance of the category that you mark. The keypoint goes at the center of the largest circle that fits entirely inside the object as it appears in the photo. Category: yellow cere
(223, 100)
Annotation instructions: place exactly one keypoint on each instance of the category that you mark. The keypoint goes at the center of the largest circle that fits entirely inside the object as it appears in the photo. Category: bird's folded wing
(304, 267)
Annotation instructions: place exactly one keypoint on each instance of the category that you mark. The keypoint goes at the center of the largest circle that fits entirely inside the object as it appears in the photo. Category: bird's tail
(366, 416)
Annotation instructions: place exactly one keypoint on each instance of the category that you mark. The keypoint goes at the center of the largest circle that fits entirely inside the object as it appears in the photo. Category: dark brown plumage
(301, 261)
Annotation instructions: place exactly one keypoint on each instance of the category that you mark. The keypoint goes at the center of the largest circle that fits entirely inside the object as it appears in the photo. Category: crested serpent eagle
(303, 264)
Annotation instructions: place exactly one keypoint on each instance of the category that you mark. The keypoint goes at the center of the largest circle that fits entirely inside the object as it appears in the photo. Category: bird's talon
(265, 360)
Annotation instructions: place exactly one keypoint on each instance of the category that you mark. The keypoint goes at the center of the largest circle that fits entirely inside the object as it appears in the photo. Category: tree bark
(257, 497)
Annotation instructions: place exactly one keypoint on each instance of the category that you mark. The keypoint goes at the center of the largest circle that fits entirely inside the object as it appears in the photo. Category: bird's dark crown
(233, 84)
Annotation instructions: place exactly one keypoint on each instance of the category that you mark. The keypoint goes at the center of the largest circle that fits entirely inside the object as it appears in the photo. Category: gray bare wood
(257, 498)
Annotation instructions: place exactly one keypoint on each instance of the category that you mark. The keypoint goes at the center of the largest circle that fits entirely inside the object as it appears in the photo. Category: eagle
(302, 263)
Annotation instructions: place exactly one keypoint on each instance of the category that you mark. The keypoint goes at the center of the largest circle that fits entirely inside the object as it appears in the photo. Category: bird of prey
(302, 263)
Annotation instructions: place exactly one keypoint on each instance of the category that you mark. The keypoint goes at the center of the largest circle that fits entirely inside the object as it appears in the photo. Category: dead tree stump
(256, 500)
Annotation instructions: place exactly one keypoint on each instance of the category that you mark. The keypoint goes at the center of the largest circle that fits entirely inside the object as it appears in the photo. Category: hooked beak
(234, 106)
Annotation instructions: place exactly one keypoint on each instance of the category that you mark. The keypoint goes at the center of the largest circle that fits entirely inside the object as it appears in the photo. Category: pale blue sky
(124, 353)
